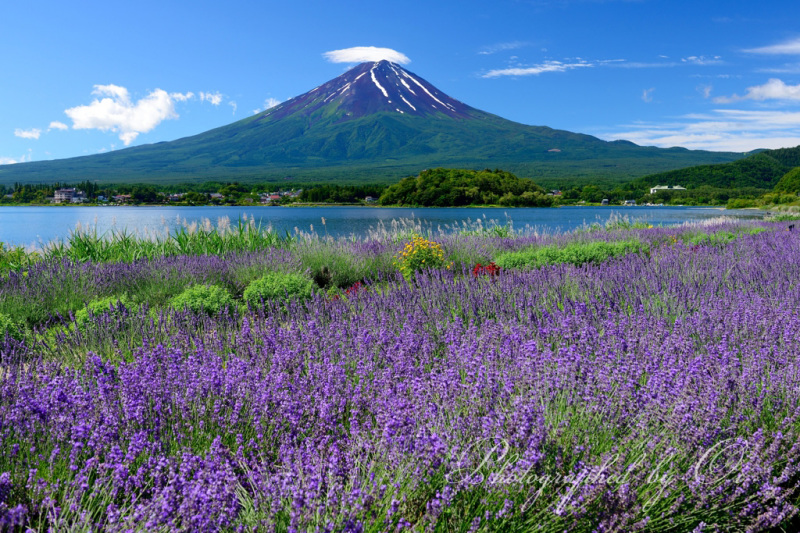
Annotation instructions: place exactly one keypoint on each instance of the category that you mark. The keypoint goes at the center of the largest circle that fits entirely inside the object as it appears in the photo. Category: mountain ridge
(375, 122)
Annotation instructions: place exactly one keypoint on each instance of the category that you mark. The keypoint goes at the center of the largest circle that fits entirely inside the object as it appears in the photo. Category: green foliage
(505, 231)
(576, 253)
(741, 203)
(443, 187)
(110, 304)
(720, 237)
(9, 327)
(278, 286)
(209, 299)
(204, 239)
(15, 259)
(762, 170)
(624, 222)
(790, 182)
(340, 194)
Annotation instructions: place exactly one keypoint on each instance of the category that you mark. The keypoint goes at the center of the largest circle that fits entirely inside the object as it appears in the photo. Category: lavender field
(653, 388)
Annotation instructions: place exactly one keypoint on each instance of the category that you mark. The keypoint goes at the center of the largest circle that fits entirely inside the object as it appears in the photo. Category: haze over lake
(33, 226)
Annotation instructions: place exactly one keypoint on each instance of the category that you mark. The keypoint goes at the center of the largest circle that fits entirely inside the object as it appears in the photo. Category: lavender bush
(649, 393)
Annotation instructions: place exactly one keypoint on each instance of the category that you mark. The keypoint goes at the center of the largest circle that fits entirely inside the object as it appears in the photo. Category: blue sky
(86, 77)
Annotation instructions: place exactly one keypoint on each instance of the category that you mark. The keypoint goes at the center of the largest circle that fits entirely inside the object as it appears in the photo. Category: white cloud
(116, 112)
(500, 47)
(702, 60)
(788, 47)
(647, 95)
(182, 97)
(214, 98)
(547, 66)
(32, 133)
(234, 106)
(268, 103)
(732, 130)
(705, 90)
(360, 54)
(56, 125)
(788, 68)
(774, 89)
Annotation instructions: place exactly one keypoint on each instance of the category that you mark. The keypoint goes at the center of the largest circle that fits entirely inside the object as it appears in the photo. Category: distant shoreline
(299, 205)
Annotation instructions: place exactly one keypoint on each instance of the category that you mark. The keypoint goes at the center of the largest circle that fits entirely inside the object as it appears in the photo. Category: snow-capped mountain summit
(374, 87)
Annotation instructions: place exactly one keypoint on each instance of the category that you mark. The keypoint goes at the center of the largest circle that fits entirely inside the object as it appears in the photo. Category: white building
(67, 196)
(659, 188)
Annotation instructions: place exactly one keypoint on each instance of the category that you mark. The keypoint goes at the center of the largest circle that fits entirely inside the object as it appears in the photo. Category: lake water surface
(34, 226)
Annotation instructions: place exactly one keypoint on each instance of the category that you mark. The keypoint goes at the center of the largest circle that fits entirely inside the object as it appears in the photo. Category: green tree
(790, 182)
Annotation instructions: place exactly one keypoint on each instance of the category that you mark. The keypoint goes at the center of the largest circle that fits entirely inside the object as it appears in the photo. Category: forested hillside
(762, 171)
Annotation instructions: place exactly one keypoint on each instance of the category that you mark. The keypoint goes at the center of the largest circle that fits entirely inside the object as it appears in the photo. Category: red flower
(490, 270)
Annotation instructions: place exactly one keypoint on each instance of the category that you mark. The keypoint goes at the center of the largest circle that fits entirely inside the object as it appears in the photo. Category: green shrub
(278, 285)
(15, 259)
(102, 305)
(576, 253)
(10, 328)
(203, 299)
(720, 237)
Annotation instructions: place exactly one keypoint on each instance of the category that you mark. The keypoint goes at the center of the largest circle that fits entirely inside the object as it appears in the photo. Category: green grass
(577, 253)
(720, 237)
(123, 246)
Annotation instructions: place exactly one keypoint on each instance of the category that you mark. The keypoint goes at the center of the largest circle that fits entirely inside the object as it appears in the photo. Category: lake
(34, 226)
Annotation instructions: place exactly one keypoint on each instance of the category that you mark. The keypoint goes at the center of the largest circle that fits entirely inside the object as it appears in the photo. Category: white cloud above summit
(361, 54)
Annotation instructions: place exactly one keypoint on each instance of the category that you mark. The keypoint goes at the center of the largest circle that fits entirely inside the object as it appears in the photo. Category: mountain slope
(376, 122)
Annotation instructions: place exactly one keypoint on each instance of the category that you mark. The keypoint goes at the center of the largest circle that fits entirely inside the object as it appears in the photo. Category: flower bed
(654, 393)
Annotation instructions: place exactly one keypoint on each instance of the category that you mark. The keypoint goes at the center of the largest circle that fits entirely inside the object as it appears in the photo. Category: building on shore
(659, 188)
(69, 196)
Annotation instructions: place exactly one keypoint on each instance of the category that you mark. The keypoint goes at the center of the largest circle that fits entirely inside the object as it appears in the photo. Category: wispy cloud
(547, 66)
(702, 60)
(774, 89)
(360, 54)
(647, 95)
(182, 97)
(56, 125)
(115, 111)
(567, 64)
(788, 68)
(234, 106)
(32, 133)
(791, 47)
(268, 103)
(501, 47)
(214, 98)
(734, 130)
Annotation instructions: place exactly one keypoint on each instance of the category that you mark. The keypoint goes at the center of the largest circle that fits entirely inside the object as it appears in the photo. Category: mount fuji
(375, 123)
